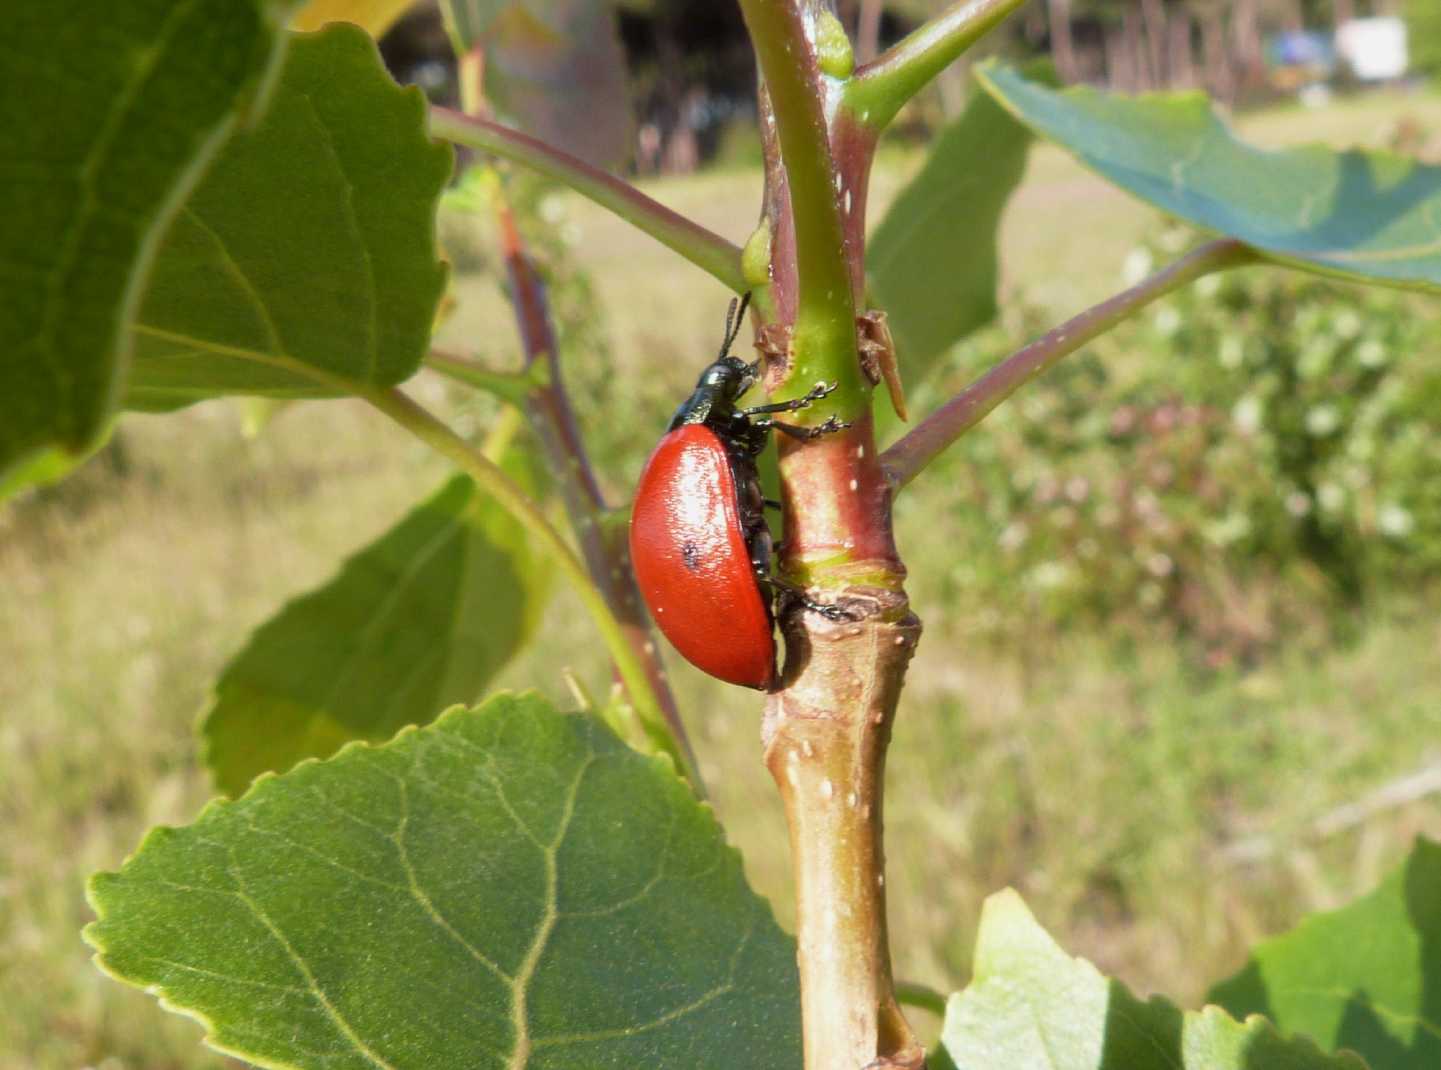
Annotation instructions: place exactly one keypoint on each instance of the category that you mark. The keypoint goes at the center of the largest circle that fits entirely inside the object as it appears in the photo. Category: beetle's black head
(723, 382)
(716, 392)
(728, 377)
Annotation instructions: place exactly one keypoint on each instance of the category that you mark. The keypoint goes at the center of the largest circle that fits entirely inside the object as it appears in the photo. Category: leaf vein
(312, 984)
(419, 894)
(327, 141)
(90, 205)
(241, 277)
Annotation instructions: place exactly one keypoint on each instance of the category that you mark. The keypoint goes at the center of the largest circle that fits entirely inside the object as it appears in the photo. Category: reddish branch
(552, 417)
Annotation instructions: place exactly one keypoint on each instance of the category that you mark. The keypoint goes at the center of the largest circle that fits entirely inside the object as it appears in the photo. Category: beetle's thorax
(714, 399)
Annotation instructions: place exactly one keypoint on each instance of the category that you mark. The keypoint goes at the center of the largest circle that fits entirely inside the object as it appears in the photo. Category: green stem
(703, 248)
(913, 994)
(825, 333)
(953, 419)
(491, 479)
(880, 88)
(513, 387)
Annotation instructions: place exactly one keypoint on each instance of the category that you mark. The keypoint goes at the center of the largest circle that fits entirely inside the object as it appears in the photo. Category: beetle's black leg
(771, 502)
(805, 434)
(830, 612)
(815, 393)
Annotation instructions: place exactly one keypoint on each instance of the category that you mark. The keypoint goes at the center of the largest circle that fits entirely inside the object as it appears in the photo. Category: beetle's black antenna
(735, 317)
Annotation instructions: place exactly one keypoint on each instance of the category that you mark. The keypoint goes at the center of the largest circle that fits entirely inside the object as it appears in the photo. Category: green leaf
(108, 116)
(1366, 216)
(305, 264)
(420, 619)
(48, 467)
(1366, 977)
(508, 887)
(932, 263)
(555, 66)
(1030, 1006)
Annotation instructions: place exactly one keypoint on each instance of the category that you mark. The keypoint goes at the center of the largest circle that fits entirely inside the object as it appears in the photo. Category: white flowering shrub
(1264, 451)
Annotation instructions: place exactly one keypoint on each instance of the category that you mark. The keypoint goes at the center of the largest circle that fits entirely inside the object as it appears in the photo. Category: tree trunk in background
(679, 149)
(1345, 11)
(868, 30)
(1246, 36)
(1034, 26)
(1153, 12)
(1217, 57)
(1142, 77)
(1180, 60)
(1293, 18)
(1119, 77)
(1063, 50)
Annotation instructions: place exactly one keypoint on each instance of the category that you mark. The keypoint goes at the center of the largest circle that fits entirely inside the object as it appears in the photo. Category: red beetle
(698, 535)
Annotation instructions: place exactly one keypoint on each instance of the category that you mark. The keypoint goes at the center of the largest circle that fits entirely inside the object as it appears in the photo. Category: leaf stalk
(907, 457)
(881, 88)
(493, 480)
(703, 248)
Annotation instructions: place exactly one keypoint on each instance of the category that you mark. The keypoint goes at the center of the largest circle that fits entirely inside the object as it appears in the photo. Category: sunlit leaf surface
(509, 887)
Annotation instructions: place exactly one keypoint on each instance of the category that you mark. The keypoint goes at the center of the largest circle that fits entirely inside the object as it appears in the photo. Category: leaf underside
(105, 123)
(1030, 1006)
(305, 264)
(420, 619)
(1365, 977)
(1366, 216)
(509, 887)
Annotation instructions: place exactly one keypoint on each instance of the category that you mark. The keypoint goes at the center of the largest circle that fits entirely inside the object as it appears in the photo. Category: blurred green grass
(1104, 782)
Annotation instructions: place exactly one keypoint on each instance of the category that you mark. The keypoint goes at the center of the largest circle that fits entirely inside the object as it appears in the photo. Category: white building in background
(1374, 49)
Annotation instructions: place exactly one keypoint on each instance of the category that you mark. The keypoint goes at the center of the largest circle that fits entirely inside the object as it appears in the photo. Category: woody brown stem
(826, 736)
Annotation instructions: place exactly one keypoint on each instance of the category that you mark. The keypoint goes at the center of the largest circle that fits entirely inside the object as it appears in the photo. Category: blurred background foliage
(1273, 466)
(1180, 595)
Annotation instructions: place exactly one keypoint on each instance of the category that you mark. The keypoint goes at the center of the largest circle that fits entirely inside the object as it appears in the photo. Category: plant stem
(940, 429)
(827, 729)
(508, 386)
(921, 996)
(824, 338)
(491, 479)
(607, 558)
(880, 88)
(826, 738)
(707, 250)
(552, 417)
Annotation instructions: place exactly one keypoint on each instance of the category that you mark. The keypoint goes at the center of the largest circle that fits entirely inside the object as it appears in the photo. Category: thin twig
(953, 419)
(880, 88)
(607, 559)
(547, 405)
(508, 386)
(1401, 792)
(433, 432)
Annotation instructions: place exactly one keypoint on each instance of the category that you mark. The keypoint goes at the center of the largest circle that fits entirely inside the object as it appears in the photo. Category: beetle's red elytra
(691, 559)
(699, 541)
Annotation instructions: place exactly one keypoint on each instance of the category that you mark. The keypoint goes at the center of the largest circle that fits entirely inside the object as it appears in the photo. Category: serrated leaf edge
(1008, 907)
(659, 763)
